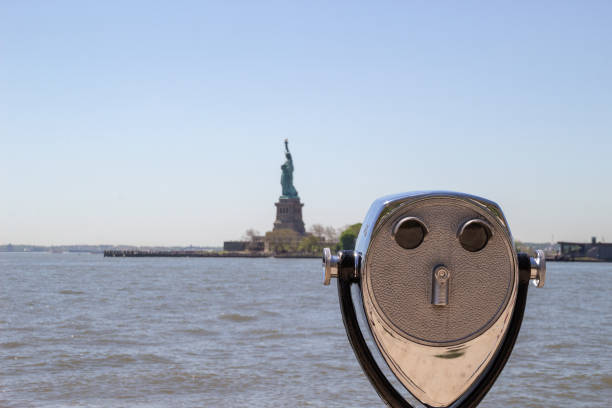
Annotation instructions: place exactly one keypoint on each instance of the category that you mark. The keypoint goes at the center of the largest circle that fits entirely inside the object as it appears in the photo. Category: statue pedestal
(289, 215)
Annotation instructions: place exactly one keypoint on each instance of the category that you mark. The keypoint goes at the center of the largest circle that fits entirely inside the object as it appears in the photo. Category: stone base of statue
(289, 215)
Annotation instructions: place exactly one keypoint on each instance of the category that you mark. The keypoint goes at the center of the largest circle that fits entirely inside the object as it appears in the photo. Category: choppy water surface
(82, 330)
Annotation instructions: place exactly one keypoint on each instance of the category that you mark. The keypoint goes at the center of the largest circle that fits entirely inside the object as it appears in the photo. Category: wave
(605, 384)
(235, 317)
(559, 346)
(71, 292)
(12, 344)
(198, 332)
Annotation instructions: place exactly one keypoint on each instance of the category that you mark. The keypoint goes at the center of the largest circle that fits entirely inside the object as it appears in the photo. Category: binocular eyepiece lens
(409, 232)
(474, 235)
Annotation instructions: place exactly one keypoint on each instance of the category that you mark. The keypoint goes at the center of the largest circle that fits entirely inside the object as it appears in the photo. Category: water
(87, 331)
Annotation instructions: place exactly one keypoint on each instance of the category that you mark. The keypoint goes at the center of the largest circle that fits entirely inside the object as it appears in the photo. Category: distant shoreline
(173, 252)
(99, 249)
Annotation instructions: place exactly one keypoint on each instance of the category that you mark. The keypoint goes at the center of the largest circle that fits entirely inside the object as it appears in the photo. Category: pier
(132, 253)
(120, 253)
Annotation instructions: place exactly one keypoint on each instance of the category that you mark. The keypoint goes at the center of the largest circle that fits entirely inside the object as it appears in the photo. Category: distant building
(255, 245)
(235, 246)
(570, 251)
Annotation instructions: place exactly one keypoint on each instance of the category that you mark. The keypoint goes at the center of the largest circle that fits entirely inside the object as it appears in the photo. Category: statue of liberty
(289, 190)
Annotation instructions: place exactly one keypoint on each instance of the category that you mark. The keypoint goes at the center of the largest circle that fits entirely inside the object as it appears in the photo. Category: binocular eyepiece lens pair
(473, 236)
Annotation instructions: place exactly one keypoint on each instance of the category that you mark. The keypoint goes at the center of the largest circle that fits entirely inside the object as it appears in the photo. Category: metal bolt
(442, 274)
(538, 269)
(330, 266)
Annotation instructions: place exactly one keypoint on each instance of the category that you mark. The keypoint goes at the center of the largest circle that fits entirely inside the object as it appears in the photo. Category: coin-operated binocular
(443, 292)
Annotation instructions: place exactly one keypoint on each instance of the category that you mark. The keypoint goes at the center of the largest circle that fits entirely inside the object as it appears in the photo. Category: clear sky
(162, 123)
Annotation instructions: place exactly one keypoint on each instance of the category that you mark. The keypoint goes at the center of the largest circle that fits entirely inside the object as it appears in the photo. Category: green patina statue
(289, 190)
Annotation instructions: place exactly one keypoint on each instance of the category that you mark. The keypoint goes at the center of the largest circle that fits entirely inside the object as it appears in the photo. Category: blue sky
(162, 123)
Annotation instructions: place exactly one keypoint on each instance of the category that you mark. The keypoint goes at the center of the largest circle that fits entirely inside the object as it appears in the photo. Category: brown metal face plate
(400, 279)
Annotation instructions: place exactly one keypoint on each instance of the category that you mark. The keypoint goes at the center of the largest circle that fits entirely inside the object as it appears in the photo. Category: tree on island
(311, 244)
(349, 237)
(318, 230)
(286, 241)
(250, 234)
(283, 241)
(329, 234)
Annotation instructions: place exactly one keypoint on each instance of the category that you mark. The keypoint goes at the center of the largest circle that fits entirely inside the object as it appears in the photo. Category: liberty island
(288, 237)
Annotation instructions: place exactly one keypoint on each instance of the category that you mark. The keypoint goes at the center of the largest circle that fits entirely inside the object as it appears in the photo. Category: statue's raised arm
(288, 155)
(289, 190)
